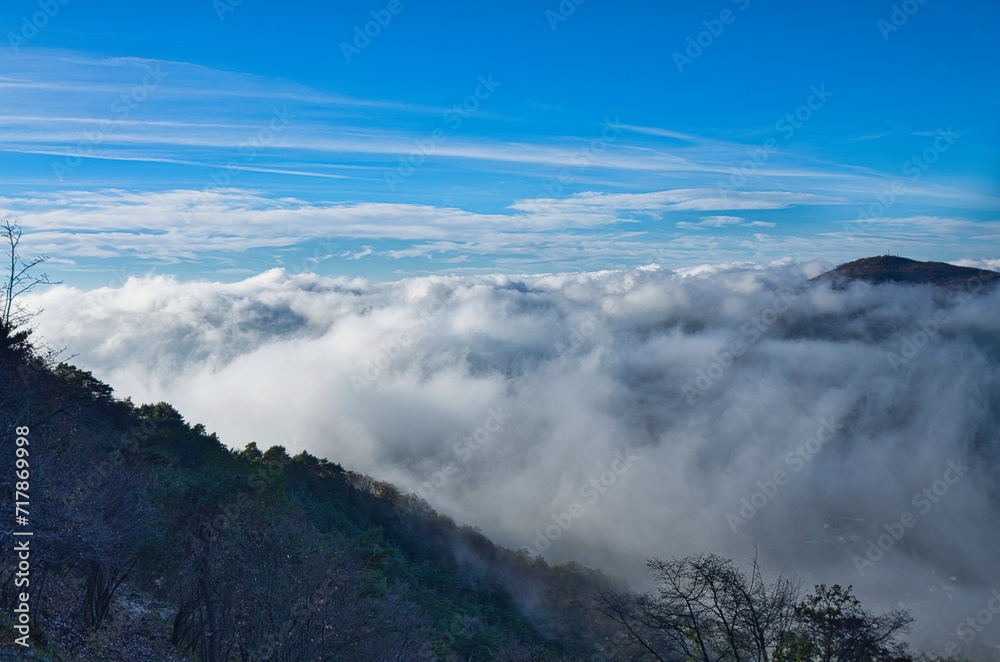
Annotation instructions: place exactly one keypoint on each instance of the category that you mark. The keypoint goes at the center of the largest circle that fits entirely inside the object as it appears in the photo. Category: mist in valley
(847, 434)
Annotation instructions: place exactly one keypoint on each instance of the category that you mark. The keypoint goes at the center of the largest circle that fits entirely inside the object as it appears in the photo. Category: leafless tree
(706, 609)
(268, 587)
(91, 510)
(17, 280)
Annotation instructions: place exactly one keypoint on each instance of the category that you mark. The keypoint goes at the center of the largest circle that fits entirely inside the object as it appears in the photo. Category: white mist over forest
(613, 416)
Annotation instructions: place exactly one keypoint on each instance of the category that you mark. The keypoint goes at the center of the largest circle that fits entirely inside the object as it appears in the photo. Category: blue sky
(220, 139)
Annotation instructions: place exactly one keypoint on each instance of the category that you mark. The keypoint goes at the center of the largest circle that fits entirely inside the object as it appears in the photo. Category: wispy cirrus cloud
(530, 199)
(915, 229)
(723, 222)
(64, 71)
(676, 199)
(55, 99)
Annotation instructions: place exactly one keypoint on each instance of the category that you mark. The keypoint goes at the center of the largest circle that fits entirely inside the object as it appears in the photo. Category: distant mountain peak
(895, 269)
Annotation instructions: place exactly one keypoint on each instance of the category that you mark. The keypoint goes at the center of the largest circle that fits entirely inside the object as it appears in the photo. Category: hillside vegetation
(895, 269)
(150, 534)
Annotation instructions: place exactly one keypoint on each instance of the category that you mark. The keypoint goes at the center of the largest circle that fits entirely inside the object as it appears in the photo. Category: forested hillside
(153, 540)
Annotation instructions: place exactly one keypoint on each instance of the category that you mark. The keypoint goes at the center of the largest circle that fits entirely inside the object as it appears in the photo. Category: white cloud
(992, 264)
(182, 224)
(395, 378)
(723, 222)
(94, 229)
(702, 199)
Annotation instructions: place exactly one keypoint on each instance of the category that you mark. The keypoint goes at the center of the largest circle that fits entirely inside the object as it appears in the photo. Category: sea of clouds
(850, 434)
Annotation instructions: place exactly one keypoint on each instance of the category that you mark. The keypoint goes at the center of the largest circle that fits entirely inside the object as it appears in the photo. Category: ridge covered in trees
(256, 555)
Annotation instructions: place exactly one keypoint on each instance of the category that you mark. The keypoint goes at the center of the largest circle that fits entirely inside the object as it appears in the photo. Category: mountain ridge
(895, 269)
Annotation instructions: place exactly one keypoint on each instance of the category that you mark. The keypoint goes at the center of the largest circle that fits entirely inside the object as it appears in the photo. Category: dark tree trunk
(211, 618)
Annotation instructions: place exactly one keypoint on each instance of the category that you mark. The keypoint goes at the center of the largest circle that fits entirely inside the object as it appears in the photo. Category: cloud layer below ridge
(608, 417)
